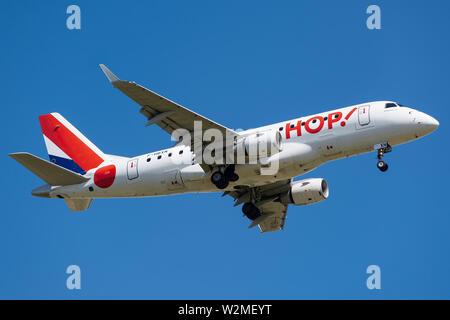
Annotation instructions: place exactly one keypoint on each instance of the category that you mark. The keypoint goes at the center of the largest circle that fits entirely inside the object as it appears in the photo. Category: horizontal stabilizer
(51, 173)
(78, 204)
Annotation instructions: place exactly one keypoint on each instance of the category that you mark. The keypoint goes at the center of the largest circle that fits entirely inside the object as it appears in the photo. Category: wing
(267, 199)
(167, 114)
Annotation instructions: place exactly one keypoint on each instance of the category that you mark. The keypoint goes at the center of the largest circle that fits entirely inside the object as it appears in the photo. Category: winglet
(111, 76)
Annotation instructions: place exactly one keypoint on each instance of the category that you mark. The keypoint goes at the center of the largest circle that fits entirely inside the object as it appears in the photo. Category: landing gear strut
(382, 148)
(222, 178)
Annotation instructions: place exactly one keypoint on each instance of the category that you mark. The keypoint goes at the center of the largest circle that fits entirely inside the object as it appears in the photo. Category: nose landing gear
(382, 148)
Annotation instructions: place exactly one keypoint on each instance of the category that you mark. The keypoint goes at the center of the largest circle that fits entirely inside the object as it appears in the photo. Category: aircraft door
(132, 169)
(364, 115)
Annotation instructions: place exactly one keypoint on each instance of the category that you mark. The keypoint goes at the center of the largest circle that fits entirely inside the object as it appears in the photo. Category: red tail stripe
(68, 142)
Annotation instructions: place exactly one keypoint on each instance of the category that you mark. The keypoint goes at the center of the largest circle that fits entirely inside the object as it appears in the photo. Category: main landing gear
(224, 176)
(382, 148)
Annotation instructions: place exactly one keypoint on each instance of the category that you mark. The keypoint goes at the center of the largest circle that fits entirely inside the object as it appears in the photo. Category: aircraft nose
(427, 123)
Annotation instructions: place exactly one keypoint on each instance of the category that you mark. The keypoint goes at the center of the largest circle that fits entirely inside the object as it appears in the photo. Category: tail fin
(68, 147)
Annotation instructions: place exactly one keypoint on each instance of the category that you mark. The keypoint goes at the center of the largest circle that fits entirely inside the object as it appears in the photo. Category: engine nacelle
(262, 144)
(308, 191)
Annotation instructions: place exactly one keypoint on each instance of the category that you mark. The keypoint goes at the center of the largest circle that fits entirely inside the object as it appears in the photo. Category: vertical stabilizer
(68, 147)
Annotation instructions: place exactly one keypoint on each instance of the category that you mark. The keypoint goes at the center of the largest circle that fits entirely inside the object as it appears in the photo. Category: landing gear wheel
(383, 166)
(251, 211)
(223, 184)
(219, 180)
(216, 177)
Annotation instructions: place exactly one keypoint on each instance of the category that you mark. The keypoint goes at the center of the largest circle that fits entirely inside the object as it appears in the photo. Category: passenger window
(159, 157)
(281, 129)
(170, 154)
(181, 151)
(148, 159)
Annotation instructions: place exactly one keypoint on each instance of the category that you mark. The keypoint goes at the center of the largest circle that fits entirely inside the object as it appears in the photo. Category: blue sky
(243, 64)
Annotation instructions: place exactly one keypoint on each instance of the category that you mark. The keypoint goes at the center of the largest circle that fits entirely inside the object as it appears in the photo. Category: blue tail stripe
(66, 163)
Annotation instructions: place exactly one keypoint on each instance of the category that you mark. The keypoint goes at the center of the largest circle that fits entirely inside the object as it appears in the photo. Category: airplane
(256, 169)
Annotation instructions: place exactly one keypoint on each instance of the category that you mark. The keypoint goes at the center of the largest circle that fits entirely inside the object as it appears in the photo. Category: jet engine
(306, 192)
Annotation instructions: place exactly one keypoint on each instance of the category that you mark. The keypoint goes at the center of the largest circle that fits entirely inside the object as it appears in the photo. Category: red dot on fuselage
(104, 177)
(343, 124)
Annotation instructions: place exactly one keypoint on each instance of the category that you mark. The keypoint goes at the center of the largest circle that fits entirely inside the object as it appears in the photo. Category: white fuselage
(307, 143)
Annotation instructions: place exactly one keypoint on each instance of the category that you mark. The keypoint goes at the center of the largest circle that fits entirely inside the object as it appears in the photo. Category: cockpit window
(390, 105)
